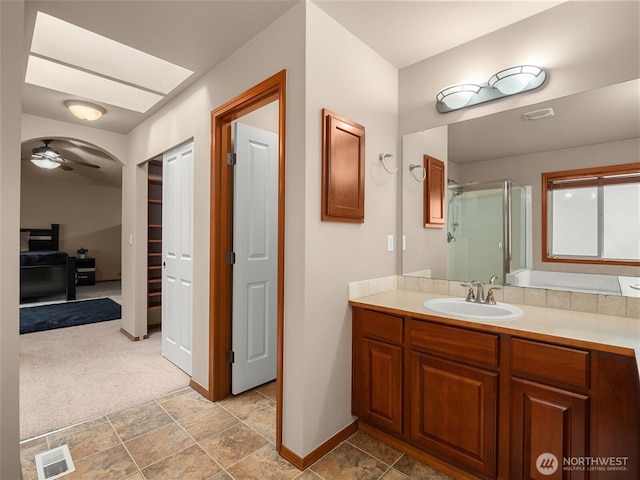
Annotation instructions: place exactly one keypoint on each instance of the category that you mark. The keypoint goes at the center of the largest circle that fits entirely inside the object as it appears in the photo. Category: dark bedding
(42, 258)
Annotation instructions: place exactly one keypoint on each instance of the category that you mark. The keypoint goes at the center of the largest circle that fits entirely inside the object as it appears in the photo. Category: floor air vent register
(54, 463)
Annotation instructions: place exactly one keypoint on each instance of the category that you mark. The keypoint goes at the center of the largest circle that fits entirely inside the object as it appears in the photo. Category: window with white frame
(592, 215)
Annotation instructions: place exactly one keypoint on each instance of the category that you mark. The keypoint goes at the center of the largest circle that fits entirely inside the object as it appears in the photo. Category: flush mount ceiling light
(510, 81)
(457, 96)
(85, 110)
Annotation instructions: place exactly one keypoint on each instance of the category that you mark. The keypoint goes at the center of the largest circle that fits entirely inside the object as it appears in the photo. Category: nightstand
(85, 271)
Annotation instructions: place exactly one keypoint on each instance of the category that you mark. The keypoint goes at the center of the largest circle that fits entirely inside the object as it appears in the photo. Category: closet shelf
(154, 228)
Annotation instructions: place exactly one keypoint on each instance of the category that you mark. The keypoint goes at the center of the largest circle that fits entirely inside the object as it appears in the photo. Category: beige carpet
(74, 374)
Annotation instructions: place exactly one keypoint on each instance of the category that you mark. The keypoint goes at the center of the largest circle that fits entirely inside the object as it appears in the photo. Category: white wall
(11, 75)
(280, 46)
(320, 257)
(584, 46)
(346, 77)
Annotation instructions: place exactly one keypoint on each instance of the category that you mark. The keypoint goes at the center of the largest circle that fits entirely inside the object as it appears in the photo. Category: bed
(44, 269)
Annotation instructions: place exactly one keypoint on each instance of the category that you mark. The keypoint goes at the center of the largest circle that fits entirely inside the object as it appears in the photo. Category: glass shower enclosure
(486, 230)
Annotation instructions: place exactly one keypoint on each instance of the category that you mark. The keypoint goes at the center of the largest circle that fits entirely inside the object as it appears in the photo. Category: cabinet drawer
(380, 326)
(456, 343)
(567, 365)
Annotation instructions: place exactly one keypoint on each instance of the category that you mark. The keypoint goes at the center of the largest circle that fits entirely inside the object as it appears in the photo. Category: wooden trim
(302, 463)
(584, 173)
(293, 458)
(199, 388)
(270, 90)
(132, 337)
(606, 170)
(416, 453)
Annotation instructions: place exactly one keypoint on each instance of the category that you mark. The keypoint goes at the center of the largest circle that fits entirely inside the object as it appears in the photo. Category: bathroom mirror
(589, 129)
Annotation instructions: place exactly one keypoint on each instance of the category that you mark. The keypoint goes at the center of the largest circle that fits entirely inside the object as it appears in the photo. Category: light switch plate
(389, 243)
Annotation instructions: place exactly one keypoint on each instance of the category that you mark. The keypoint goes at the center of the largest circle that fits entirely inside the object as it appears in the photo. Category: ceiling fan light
(45, 163)
(457, 96)
(515, 79)
(85, 110)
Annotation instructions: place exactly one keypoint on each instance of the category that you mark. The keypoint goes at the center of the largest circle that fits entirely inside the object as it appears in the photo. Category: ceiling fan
(47, 157)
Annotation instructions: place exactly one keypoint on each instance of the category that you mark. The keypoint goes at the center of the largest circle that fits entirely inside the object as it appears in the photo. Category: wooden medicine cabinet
(342, 169)
(434, 197)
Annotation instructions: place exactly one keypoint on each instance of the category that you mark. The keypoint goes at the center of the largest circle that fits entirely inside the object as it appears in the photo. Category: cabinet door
(453, 411)
(547, 425)
(381, 394)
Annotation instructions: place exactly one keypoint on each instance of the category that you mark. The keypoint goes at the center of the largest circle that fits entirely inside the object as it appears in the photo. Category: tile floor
(183, 436)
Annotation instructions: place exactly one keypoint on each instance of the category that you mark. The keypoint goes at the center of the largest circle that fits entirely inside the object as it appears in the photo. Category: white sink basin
(460, 308)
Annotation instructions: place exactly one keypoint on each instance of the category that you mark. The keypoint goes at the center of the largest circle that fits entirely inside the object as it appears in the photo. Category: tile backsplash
(560, 299)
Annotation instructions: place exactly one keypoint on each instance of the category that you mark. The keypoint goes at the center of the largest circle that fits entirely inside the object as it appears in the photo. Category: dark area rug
(69, 314)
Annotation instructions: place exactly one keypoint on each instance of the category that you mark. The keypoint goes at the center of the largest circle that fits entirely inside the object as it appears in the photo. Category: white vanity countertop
(607, 333)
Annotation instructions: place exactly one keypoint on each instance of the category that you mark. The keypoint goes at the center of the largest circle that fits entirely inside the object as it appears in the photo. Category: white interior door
(177, 256)
(255, 271)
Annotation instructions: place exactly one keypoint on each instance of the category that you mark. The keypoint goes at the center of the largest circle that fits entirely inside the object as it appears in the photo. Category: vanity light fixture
(509, 81)
(457, 96)
(85, 110)
(516, 79)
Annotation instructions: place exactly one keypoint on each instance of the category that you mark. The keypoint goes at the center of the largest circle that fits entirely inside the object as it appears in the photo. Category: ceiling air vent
(54, 463)
(538, 114)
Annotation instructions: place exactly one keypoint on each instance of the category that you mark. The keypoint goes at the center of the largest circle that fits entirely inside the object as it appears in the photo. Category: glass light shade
(457, 96)
(514, 79)
(85, 111)
(45, 163)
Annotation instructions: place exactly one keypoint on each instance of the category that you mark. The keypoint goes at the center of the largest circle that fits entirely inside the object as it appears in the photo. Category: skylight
(80, 62)
(62, 78)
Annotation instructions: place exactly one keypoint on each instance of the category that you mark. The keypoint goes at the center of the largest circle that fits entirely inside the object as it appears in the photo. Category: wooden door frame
(270, 90)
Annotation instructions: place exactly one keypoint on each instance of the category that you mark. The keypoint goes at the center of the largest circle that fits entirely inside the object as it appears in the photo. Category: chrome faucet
(479, 296)
(480, 291)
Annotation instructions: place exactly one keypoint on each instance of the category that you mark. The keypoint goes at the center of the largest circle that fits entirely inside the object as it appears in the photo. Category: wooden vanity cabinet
(491, 404)
(549, 407)
(546, 420)
(453, 391)
(378, 369)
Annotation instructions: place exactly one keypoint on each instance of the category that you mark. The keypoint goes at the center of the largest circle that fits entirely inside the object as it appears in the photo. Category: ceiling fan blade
(84, 164)
(66, 167)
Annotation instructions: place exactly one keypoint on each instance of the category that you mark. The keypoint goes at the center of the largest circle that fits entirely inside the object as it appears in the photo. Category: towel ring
(412, 167)
(382, 156)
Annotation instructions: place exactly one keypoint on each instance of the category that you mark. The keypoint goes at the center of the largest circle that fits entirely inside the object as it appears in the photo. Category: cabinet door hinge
(231, 158)
(230, 357)
(231, 258)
